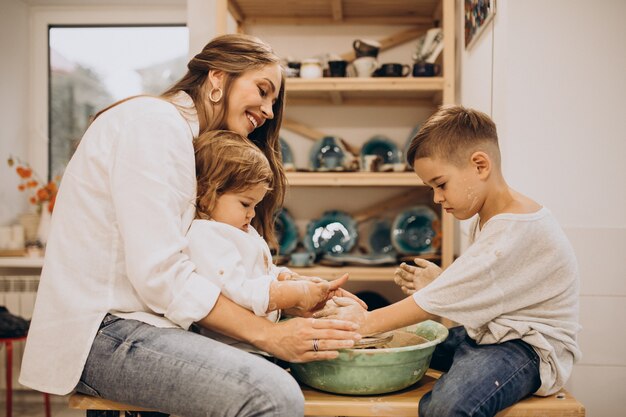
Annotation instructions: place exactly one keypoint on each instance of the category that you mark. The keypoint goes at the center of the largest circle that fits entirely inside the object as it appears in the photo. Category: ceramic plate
(383, 147)
(334, 232)
(286, 232)
(378, 239)
(416, 230)
(327, 154)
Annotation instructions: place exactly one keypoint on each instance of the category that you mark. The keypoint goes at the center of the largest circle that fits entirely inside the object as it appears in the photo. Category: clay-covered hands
(343, 308)
(314, 292)
(414, 278)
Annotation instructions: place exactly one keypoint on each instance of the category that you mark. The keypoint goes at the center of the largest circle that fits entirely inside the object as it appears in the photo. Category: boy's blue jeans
(480, 380)
(179, 372)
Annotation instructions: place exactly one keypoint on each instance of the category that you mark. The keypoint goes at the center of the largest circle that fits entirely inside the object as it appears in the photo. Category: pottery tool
(374, 341)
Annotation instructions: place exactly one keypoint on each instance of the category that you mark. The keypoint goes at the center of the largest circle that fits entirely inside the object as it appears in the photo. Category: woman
(117, 292)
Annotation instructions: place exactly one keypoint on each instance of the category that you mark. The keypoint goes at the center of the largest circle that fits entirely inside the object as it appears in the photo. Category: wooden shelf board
(353, 179)
(364, 91)
(357, 273)
(21, 262)
(374, 84)
(324, 12)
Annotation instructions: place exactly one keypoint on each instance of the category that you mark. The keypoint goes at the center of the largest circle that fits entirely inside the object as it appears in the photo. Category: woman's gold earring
(219, 95)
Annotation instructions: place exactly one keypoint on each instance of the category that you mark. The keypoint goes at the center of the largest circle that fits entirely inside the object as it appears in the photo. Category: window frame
(41, 18)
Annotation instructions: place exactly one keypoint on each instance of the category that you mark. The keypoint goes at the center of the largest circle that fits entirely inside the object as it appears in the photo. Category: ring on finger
(316, 345)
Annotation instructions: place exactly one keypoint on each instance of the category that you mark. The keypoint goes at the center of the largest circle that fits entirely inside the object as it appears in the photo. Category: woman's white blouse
(117, 239)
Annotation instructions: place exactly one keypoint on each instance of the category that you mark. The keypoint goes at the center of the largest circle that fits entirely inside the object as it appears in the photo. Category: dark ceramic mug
(337, 68)
(366, 47)
(392, 69)
(426, 69)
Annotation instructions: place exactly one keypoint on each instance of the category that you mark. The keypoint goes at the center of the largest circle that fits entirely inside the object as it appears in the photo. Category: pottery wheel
(373, 341)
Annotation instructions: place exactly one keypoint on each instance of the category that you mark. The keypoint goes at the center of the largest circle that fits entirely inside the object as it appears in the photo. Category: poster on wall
(478, 14)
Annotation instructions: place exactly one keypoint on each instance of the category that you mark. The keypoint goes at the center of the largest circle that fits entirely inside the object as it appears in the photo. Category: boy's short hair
(453, 134)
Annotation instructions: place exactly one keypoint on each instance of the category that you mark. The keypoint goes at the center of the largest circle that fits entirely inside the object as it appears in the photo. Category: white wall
(14, 41)
(552, 75)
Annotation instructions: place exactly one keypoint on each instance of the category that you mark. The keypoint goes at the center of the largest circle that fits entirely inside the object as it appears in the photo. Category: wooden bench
(399, 404)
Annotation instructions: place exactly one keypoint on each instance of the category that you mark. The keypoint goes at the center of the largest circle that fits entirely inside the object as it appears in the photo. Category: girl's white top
(117, 239)
(239, 263)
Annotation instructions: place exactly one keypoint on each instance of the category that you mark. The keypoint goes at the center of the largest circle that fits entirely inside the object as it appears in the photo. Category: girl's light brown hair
(227, 162)
(452, 134)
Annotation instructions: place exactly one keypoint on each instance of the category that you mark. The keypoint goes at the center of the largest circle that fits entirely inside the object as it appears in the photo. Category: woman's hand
(343, 308)
(414, 278)
(305, 340)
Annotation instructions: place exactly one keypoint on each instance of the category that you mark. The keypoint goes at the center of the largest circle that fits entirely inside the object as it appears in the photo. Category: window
(91, 67)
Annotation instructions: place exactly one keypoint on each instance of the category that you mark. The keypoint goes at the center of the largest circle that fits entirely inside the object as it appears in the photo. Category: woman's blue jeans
(480, 380)
(180, 372)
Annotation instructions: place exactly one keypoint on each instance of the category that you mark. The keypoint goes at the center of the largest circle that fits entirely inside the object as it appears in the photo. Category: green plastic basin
(374, 371)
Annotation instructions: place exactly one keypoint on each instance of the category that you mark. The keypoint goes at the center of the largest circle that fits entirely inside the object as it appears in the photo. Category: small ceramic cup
(392, 69)
(311, 68)
(302, 259)
(337, 68)
(365, 66)
(371, 163)
(426, 69)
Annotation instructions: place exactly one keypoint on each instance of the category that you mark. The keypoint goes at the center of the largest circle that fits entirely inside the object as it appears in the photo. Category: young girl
(233, 179)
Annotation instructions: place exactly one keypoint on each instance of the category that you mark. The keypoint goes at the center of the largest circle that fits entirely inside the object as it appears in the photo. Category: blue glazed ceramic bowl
(334, 232)
(328, 154)
(415, 231)
(378, 240)
(383, 147)
(286, 232)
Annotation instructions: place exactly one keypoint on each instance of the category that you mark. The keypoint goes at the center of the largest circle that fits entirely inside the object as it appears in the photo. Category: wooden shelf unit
(409, 91)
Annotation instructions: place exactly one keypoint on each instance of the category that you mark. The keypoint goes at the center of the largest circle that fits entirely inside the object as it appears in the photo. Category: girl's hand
(414, 278)
(343, 308)
(335, 290)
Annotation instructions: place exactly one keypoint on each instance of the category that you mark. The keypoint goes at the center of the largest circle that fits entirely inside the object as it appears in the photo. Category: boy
(514, 291)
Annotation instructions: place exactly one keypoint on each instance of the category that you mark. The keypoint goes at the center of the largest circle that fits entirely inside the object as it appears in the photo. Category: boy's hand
(414, 278)
(337, 291)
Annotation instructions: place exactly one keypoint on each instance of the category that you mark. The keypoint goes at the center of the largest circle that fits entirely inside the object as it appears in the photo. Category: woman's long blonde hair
(234, 55)
(227, 162)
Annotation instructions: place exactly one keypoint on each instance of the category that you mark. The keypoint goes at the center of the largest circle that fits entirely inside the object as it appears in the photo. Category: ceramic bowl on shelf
(334, 232)
(287, 155)
(329, 154)
(286, 232)
(416, 230)
(381, 149)
(378, 237)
